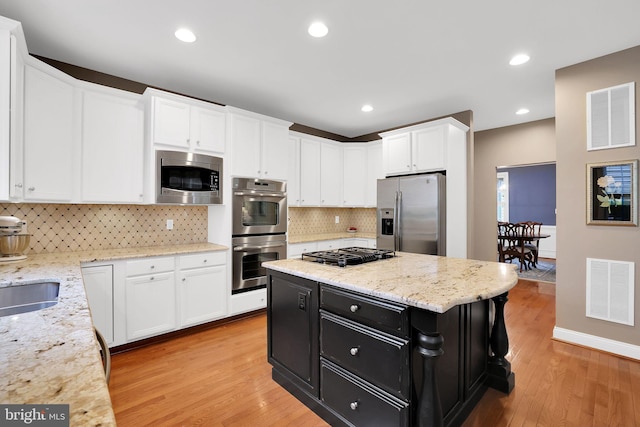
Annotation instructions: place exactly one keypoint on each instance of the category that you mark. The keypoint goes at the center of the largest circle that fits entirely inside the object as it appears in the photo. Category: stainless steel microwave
(188, 178)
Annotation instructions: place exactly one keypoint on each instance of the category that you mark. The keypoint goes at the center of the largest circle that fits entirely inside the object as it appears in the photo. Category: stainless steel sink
(28, 297)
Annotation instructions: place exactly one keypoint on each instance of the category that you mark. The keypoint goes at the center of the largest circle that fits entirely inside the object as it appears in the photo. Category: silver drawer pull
(354, 351)
(152, 267)
(354, 308)
(205, 261)
(353, 405)
(151, 278)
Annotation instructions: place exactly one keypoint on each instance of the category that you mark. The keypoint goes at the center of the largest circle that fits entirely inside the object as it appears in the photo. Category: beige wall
(575, 240)
(528, 143)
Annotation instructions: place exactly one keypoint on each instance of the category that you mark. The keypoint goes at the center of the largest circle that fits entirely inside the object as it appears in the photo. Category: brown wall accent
(577, 241)
(97, 77)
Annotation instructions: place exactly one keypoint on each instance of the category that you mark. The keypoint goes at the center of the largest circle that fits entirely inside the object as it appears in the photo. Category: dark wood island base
(359, 360)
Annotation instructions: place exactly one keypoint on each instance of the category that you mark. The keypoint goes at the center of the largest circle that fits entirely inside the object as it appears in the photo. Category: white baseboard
(604, 344)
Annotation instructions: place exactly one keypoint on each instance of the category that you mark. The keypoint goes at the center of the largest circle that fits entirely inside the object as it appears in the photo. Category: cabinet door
(207, 129)
(203, 295)
(309, 173)
(49, 136)
(150, 305)
(354, 176)
(374, 173)
(396, 152)
(171, 123)
(245, 146)
(293, 172)
(429, 149)
(330, 175)
(98, 284)
(276, 156)
(112, 149)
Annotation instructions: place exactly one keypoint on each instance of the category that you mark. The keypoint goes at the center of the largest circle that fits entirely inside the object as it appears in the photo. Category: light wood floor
(220, 377)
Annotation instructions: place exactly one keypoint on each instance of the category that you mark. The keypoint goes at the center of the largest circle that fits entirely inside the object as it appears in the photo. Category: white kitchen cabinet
(295, 250)
(328, 245)
(112, 146)
(419, 148)
(150, 291)
(185, 124)
(309, 172)
(248, 301)
(50, 137)
(375, 172)
(354, 175)
(202, 288)
(98, 284)
(293, 172)
(330, 174)
(259, 145)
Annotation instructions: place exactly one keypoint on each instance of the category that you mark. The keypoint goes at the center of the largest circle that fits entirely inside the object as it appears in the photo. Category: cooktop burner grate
(348, 256)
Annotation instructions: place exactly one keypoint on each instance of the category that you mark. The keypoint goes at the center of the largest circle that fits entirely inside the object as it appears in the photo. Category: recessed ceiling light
(318, 29)
(367, 108)
(519, 59)
(185, 35)
(522, 111)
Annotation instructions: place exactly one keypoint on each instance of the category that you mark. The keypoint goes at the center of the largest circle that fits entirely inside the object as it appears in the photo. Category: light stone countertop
(51, 356)
(329, 236)
(425, 281)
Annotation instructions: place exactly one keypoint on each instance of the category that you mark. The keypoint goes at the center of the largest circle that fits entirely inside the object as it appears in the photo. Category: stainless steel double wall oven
(259, 209)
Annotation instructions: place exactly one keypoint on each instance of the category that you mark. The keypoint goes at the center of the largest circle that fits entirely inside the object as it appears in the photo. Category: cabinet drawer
(386, 316)
(204, 259)
(150, 265)
(358, 402)
(377, 357)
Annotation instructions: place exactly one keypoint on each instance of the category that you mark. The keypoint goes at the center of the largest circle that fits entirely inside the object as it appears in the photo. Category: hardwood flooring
(220, 377)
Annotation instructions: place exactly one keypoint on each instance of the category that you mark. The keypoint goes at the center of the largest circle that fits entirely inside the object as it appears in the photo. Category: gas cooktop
(348, 256)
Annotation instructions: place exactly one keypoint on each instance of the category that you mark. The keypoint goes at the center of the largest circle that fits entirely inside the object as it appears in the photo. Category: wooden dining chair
(532, 229)
(511, 245)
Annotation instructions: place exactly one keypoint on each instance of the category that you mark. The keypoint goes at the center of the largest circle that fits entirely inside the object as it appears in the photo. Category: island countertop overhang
(429, 282)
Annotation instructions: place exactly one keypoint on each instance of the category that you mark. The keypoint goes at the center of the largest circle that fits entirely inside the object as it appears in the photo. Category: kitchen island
(403, 341)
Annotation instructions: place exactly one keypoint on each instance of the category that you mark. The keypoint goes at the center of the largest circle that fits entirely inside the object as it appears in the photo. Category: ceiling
(411, 60)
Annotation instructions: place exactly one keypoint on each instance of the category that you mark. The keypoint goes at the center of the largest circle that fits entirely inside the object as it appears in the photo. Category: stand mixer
(13, 238)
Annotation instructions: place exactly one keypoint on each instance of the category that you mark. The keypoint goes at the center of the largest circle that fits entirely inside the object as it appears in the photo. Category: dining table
(521, 239)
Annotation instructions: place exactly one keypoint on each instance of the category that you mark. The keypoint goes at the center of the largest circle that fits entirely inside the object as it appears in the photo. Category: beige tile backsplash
(322, 220)
(69, 228)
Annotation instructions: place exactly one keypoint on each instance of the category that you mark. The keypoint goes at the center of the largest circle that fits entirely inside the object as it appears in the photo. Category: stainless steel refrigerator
(411, 214)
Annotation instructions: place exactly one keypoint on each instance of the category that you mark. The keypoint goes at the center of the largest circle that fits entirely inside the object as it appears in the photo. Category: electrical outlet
(169, 224)
(337, 219)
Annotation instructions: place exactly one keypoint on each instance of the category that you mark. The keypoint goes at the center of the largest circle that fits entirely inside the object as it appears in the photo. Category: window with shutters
(611, 117)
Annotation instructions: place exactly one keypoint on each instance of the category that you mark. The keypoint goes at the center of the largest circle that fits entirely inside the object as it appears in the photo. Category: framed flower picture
(612, 197)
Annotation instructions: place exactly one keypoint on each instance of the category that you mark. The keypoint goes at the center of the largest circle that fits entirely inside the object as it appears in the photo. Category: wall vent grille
(611, 117)
(610, 290)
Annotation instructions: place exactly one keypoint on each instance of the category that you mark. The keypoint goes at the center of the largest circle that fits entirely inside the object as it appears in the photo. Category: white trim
(598, 343)
(505, 178)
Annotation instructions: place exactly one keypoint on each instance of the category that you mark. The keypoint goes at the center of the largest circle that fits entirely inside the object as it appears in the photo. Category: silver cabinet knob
(188, 141)
(266, 172)
(31, 188)
(354, 351)
(353, 405)
(184, 279)
(198, 142)
(18, 185)
(354, 308)
(151, 278)
(152, 267)
(205, 261)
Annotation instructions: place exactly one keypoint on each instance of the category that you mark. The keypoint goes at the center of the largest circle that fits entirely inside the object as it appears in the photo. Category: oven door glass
(252, 265)
(260, 212)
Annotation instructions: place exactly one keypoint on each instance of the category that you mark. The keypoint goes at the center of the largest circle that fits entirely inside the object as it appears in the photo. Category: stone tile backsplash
(322, 220)
(70, 228)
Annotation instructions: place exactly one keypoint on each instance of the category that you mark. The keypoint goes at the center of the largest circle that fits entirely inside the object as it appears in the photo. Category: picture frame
(612, 195)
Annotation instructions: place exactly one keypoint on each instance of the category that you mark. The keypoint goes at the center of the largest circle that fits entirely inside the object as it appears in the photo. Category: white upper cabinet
(330, 174)
(375, 172)
(259, 145)
(293, 174)
(419, 148)
(112, 146)
(354, 174)
(309, 172)
(50, 138)
(185, 124)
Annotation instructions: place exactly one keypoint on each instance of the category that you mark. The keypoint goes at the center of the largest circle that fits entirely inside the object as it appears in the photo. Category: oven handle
(256, 248)
(258, 193)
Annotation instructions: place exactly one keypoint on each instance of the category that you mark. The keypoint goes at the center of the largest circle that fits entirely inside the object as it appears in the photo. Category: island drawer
(360, 403)
(386, 316)
(380, 358)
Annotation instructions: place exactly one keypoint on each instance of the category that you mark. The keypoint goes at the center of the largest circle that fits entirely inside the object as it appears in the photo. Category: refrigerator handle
(397, 241)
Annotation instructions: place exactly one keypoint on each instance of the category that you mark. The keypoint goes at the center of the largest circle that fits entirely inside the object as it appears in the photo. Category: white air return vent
(611, 117)
(610, 286)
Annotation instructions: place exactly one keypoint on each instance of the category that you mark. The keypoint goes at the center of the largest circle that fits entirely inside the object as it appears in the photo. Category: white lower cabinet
(248, 301)
(295, 250)
(202, 290)
(98, 285)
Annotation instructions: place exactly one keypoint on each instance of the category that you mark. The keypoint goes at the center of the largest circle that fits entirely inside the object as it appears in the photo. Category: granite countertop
(329, 236)
(425, 281)
(51, 356)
